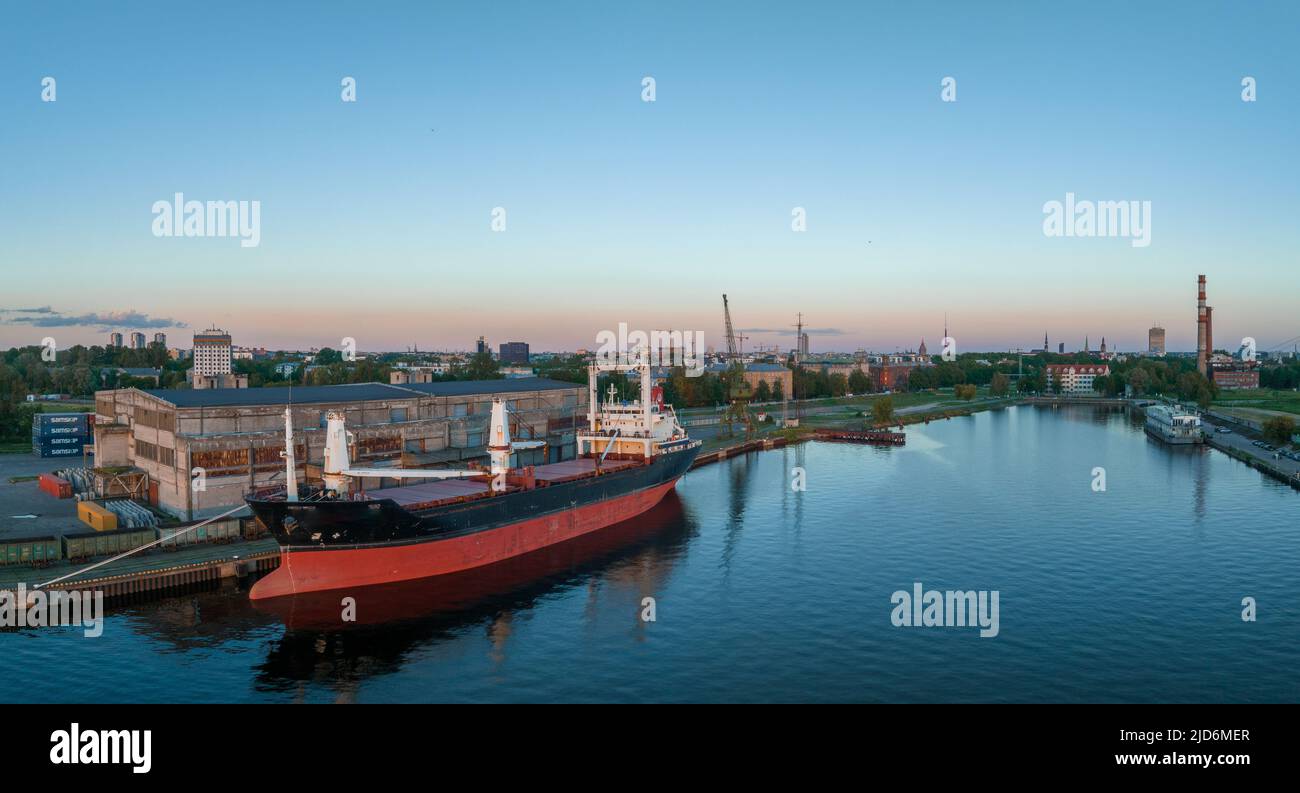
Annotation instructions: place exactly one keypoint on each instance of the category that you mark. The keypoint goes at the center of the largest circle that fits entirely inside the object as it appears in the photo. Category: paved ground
(54, 516)
(1242, 441)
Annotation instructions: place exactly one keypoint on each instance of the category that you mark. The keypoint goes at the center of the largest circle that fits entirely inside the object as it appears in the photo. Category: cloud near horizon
(46, 317)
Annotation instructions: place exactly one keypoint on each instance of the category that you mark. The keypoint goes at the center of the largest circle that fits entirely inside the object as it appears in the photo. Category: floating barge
(875, 437)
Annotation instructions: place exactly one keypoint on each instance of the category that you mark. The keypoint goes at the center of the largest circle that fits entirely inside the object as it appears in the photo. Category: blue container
(60, 424)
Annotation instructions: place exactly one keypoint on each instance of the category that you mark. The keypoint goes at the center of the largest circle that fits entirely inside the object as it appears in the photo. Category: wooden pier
(877, 437)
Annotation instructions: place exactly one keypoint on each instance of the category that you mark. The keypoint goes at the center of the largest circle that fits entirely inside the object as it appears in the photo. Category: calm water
(768, 594)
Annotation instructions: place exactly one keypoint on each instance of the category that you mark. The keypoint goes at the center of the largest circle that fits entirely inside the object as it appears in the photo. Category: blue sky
(375, 215)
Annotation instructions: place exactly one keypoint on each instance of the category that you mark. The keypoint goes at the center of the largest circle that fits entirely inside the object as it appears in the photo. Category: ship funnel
(499, 438)
(336, 453)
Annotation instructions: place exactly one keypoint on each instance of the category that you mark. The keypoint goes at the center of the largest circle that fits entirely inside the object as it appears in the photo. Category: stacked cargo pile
(61, 434)
(130, 515)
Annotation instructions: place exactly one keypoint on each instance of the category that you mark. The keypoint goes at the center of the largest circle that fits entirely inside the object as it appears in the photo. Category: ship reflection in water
(389, 621)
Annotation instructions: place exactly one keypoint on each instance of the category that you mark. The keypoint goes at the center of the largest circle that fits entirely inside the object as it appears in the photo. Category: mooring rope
(125, 554)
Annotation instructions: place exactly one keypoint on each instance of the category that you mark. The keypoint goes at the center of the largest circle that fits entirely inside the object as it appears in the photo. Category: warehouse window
(397, 414)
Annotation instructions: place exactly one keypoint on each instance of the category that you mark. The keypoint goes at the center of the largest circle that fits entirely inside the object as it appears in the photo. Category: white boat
(1173, 424)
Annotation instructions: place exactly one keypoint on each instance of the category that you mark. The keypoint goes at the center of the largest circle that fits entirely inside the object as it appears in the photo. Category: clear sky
(376, 215)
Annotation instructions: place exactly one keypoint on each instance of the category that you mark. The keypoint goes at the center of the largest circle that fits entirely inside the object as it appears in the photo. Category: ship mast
(290, 464)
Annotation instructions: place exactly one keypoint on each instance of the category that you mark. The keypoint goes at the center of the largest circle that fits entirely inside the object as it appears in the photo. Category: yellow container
(96, 517)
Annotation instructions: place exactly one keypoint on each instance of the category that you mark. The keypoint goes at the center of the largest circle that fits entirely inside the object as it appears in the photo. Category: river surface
(767, 593)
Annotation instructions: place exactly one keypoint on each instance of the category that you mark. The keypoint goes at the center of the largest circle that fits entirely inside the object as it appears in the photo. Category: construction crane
(732, 352)
(738, 391)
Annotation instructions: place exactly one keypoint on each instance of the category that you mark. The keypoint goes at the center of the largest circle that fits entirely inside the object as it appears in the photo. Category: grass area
(13, 480)
(16, 447)
(1261, 402)
(70, 406)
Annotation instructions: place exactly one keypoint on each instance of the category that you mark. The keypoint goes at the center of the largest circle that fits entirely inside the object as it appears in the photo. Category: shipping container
(61, 451)
(54, 486)
(83, 545)
(36, 551)
(96, 516)
(44, 423)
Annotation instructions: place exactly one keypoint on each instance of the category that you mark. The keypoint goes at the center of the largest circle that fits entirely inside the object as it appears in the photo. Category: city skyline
(376, 215)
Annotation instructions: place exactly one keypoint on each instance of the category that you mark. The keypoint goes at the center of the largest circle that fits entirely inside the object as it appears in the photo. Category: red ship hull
(310, 570)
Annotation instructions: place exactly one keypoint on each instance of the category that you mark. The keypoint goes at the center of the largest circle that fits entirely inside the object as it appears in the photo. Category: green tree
(859, 382)
(1278, 430)
(482, 367)
(999, 385)
(763, 393)
(326, 356)
(882, 411)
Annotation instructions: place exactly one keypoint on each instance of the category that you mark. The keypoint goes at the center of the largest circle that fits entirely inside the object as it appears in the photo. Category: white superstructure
(645, 426)
(1174, 424)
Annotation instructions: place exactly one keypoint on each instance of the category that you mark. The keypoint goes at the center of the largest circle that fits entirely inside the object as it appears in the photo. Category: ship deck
(442, 491)
(431, 492)
(577, 468)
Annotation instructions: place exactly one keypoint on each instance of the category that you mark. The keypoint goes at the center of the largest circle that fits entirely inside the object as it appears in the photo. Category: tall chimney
(1202, 328)
(1209, 340)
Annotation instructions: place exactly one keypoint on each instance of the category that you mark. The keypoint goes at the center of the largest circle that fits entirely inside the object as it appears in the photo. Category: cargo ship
(337, 535)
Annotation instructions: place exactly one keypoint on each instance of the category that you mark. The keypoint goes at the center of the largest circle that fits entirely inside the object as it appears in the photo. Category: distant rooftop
(354, 392)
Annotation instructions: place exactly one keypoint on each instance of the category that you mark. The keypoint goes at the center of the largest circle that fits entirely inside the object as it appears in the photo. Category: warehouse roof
(355, 392)
(510, 385)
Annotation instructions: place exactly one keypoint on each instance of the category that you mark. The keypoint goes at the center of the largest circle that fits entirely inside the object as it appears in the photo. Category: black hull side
(380, 521)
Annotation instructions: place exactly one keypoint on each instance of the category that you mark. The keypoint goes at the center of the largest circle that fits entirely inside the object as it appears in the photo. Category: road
(1242, 441)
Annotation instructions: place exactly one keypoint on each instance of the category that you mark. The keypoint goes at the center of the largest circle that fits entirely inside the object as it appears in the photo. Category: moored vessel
(437, 521)
(1173, 424)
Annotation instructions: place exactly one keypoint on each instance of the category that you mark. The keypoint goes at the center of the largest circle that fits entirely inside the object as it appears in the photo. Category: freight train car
(34, 551)
(83, 545)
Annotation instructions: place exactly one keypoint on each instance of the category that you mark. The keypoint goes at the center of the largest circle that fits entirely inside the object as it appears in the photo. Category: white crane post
(290, 464)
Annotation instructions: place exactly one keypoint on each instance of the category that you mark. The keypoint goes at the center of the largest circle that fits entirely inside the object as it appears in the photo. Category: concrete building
(160, 339)
(213, 361)
(1156, 340)
(115, 339)
(235, 436)
(774, 374)
(137, 341)
(514, 352)
(1076, 378)
(410, 374)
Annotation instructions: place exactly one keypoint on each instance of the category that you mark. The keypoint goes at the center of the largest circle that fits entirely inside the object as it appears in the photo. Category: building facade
(212, 358)
(1236, 379)
(1077, 379)
(514, 352)
(137, 341)
(1156, 341)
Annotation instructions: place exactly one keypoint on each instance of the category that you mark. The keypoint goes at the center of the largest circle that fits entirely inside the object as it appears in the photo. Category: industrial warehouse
(204, 450)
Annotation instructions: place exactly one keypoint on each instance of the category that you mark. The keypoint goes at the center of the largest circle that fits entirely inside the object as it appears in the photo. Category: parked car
(1224, 430)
